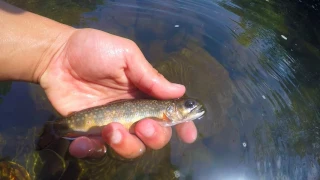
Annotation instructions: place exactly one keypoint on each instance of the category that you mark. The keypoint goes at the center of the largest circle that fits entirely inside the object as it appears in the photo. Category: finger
(187, 132)
(148, 79)
(152, 134)
(124, 143)
(84, 147)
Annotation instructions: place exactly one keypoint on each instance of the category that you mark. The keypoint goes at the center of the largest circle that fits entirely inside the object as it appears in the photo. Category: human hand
(93, 68)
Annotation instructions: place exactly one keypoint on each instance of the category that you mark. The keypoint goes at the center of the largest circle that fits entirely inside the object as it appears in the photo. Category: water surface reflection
(248, 61)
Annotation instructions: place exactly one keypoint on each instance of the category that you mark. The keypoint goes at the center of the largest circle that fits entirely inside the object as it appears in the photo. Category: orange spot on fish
(165, 117)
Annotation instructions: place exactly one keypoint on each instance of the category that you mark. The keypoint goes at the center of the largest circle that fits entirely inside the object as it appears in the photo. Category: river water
(254, 64)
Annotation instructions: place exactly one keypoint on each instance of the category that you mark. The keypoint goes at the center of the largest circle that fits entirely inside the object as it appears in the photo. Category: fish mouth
(197, 112)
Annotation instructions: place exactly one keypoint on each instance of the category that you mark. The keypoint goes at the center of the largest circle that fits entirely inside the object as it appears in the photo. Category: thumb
(149, 80)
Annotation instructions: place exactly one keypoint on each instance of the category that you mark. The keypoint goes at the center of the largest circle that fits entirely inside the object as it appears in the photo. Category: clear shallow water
(255, 65)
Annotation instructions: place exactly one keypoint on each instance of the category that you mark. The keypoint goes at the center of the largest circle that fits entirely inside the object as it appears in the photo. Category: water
(255, 65)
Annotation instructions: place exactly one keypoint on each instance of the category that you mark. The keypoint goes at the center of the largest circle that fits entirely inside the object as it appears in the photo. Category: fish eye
(190, 103)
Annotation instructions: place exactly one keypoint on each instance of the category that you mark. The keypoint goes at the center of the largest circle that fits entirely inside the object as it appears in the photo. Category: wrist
(28, 42)
(54, 47)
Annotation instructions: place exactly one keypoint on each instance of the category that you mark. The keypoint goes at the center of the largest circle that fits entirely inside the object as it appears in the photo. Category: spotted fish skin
(127, 112)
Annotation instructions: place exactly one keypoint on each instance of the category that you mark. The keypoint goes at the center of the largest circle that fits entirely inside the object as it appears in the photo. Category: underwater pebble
(176, 174)
(177, 25)
(263, 97)
(283, 37)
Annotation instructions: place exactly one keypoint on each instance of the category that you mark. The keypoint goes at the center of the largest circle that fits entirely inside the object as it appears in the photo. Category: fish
(89, 122)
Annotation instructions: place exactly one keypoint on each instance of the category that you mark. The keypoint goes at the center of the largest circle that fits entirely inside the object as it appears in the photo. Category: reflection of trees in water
(64, 11)
(5, 87)
(295, 19)
(295, 134)
(256, 17)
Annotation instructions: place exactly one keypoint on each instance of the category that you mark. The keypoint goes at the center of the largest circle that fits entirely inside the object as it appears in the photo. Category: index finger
(148, 79)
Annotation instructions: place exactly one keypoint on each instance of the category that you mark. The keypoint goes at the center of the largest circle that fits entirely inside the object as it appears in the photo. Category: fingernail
(177, 85)
(80, 147)
(98, 149)
(148, 130)
(193, 137)
(116, 137)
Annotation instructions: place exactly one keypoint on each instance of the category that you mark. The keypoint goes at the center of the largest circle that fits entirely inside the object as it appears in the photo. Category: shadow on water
(254, 64)
(4, 89)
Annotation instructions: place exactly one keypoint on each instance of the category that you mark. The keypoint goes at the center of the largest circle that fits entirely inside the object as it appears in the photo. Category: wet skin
(82, 68)
(94, 68)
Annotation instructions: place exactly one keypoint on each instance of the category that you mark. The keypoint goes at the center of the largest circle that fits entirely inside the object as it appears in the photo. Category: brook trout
(89, 122)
